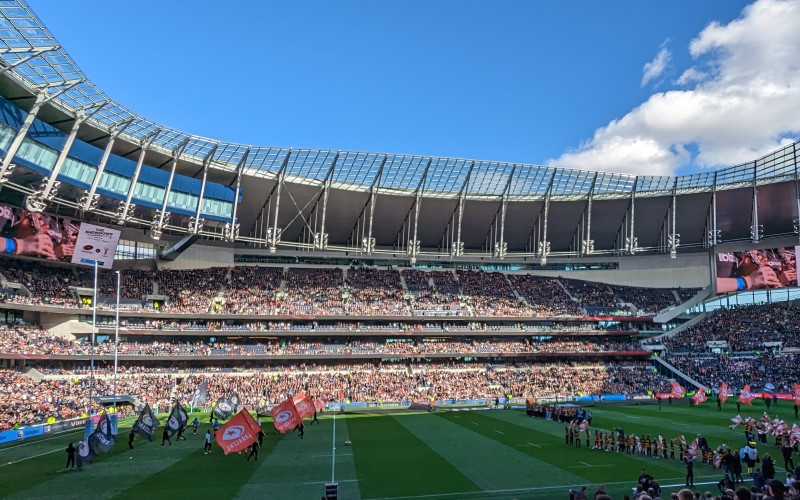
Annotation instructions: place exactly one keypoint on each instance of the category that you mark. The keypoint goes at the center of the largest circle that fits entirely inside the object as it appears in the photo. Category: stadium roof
(32, 61)
(31, 55)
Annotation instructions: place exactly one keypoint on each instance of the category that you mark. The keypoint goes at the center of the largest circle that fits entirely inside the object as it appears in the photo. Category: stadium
(459, 326)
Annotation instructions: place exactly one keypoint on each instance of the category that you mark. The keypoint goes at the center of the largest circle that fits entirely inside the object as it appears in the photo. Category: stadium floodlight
(544, 251)
(796, 226)
(37, 201)
(158, 224)
(587, 247)
(674, 242)
(273, 238)
(714, 237)
(196, 224)
(413, 250)
(124, 211)
(230, 232)
(320, 241)
(632, 244)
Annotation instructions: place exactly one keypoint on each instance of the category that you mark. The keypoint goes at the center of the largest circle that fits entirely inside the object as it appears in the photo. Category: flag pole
(116, 344)
(94, 334)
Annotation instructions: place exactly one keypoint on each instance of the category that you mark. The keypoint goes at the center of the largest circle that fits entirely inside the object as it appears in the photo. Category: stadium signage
(96, 244)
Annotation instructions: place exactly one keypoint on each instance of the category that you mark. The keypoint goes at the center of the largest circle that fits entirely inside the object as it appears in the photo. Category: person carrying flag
(253, 451)
(315, 417)
(165, 437)
(195, 424)
(688, 460)
(215, 426)
(131, 437)
(207, 444)
(70, 456)
(261, 436)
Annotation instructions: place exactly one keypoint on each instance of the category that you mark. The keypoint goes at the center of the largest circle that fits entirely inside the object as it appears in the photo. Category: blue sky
(629, 86)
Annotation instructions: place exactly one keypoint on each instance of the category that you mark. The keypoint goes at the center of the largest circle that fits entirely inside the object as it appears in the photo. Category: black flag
(101, 439)
(146, 424)
(224, 408)
(177, 419)
(200, 396)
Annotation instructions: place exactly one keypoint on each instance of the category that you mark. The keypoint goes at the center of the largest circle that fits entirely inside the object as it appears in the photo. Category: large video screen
(756, 269)
(36, 234)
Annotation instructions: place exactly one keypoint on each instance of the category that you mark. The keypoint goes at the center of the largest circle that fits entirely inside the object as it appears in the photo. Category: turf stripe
(466, 450)
(391, 461)
(299, 468)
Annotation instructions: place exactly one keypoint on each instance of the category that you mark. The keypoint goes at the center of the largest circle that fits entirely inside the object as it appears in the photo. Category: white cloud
(656, 67)
(743, 100)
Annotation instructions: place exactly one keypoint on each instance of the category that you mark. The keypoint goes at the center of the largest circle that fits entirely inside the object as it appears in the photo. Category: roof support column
(457, 249)
(321, 238)
(89, 200)
(196, 222)
(631, 241)
(587, 245)
(501, 246)
(231, 229)
(368, 243)
(413, 245)
(796, 222)
(274, 233)
(162, 216)
(674, 237)
(42, 98)
(714, 234)
(38, 200)
(544, 244)
(126, 206)
(756, 229)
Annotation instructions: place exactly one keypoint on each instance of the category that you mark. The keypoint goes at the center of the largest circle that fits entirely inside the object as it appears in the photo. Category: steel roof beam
(125, 206)
(274, 234)
(231, 231)
(197, 221)
(89, 201)
(162, 216)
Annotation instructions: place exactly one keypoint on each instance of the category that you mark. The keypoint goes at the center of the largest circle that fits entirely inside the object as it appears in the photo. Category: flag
(146, 424)
(285, 416)
(261, 409)
(794, 435)
(319, 405)
(796, 393)
(303, 404)
(700, 396)
(177, 419)
(723, 392)
(84, 452)
(101, 439)
(239, 433)
(224, 408)
(746, 396)
(694, 449)
(200, 396)
(677, 390)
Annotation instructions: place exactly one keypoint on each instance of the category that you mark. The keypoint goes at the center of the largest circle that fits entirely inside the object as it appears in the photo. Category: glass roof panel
(357, 169)
(402, 172)
(310, 164)
(489, 178)
(446, 176)
(530, 180)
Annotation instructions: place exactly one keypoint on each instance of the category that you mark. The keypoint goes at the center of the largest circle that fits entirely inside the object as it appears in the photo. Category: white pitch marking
(338, 481)
(499, 432)
(474, 423)
(60, 435)
(28, 458)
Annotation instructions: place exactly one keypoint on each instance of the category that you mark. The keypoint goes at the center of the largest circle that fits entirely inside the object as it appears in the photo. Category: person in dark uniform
(689, 462)
(795, 411)
(131, 437)
(670, 399)
(195, 424)
(786, 451)
(719, 404)
(165, 437)
(567, 435)
(71, 456)
(738, 407)
(302, 429)
(253, 452)
(260, 437)
(181, 430)
(315, 417)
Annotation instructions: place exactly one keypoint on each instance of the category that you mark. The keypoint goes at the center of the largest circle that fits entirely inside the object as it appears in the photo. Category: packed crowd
(27, 340)
(24, 400)
(331, 291)
(779, 370)
(743, 328)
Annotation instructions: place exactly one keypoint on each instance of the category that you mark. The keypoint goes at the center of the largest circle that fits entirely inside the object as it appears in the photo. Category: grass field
(447, 455)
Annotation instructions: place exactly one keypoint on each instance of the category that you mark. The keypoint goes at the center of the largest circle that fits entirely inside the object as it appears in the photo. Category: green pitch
(446, 455)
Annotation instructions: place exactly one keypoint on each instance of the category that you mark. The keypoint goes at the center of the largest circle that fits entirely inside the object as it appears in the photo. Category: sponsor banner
(63, 425)
(587, 398)
(355, 405)
(96, 244)
(640, 397)
(614, 397)
(21, 434)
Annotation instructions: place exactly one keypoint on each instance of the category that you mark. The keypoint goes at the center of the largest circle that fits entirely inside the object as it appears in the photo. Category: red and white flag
(700, 396)
(723, 393)
(677, 390)
(238, 433)
(318, 404)
(746, 396)
(794, 435)
(285, 416)
(694, 449)
(303, 404)
(796, 393)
